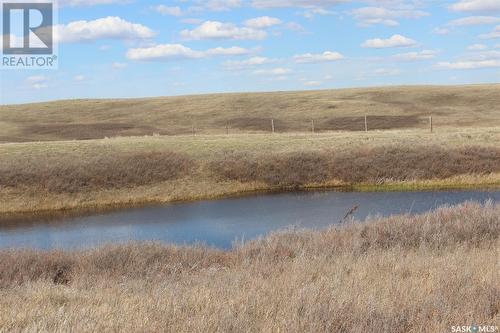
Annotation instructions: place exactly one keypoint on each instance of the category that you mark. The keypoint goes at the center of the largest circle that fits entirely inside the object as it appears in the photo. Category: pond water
(219, 223)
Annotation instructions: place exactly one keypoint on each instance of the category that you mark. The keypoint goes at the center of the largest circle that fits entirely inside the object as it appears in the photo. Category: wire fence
(275, 125)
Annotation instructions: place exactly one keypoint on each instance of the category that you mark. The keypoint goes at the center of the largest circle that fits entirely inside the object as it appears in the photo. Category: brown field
(400, 274)
(131, 171)
(143, 151)
(387, 108)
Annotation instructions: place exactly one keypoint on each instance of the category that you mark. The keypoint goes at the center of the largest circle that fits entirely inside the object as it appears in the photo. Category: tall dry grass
(110, 170)
(370, 165)
(102, 171)
(400, 274)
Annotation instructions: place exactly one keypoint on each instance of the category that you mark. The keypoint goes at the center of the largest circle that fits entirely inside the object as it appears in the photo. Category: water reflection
(218, 223)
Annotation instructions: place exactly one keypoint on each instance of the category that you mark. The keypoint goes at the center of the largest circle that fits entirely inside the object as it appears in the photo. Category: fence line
(348, 124)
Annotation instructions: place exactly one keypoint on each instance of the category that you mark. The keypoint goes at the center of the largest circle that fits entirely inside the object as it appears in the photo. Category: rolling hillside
(387, 108)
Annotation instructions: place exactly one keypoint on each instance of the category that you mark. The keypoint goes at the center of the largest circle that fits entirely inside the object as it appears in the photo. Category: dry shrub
(150, 261)
(468, 225)
(420, 163)
(371, 165)
(67, 174)
(146, 261)
(287, 170)
(19, 267)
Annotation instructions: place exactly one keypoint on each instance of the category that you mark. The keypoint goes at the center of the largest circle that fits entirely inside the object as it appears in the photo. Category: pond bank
(219, 223)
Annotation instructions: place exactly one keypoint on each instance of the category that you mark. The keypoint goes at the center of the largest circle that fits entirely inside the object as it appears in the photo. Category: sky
(116, 48)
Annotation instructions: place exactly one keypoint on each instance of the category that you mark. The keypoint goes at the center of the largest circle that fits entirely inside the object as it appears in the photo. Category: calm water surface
(219, 223)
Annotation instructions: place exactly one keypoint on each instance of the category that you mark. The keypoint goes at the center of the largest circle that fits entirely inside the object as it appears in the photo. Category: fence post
(194, 131)
(431, 124)
(272, 125)
(366, 123)
(312, 126)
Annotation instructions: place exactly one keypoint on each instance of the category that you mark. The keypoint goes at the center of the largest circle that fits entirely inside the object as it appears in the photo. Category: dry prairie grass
(131, 171)
(387, 108)
(105, 171)
(372, 165)
(400, 274)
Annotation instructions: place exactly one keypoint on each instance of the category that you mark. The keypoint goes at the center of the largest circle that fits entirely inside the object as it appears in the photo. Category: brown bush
(288, 170)
(365, 165)
(421, 163)
(67, 174)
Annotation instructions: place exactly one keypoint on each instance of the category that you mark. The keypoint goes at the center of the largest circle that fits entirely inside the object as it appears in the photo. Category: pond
(219, 223)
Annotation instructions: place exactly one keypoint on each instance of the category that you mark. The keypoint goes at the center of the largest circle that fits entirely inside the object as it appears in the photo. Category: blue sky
(114, 48)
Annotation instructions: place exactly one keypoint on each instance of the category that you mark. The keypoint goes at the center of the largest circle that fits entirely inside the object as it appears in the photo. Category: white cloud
(163, 52)
(75, 3)
(310, 13)
(37, 82)
(118, 65)
(111, 27)
(386, 72)
(310, 58)
(313, 83)
(229, 51)
(492, 35)
(474, 20)
(295, 3)
(274, 71)
(470, 64)
(367, 16)
(474, 60)
(415, 56)
(79, 78)
(484, 55)
(220, 5)
(394, 41)
(178, 51)
(36, 79)
(193, 21)
(294, 26)
(219, 30)
(168, 10)
(251, 62)
(39, 86)
(477, 47)
(262, 22)
(476, 6)
(441, 31)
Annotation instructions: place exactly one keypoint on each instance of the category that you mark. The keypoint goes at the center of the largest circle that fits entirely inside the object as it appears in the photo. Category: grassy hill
(387, 108)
